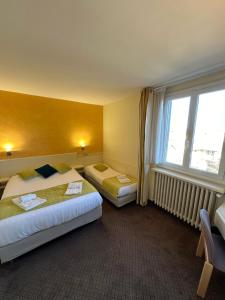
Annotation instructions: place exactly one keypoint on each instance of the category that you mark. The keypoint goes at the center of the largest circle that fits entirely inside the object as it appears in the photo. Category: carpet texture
(131, 253)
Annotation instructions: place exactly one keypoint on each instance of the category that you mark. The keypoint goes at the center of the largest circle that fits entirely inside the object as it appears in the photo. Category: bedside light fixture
(8, 149)
(82, 145)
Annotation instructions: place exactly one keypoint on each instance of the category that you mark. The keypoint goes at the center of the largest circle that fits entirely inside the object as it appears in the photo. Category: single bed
(126, 193)
(26, 231)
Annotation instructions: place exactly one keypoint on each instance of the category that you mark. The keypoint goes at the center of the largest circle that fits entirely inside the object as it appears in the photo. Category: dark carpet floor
(131, 253)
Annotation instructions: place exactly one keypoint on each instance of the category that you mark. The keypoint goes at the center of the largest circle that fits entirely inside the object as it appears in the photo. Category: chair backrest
(206, 230)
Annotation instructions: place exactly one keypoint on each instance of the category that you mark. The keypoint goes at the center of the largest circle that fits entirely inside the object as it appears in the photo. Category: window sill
(217, 187)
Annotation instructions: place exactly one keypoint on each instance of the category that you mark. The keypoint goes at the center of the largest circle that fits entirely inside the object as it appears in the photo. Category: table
(79, 169)
(219, 219)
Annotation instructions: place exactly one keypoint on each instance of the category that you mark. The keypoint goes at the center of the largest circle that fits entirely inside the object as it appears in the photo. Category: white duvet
(21, 226)
(109, 173)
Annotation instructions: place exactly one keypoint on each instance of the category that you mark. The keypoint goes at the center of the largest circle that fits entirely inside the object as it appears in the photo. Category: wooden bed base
(16, 249)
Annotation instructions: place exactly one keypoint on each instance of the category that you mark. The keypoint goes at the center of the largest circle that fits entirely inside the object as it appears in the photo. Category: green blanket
(112, 185)
(53, 195)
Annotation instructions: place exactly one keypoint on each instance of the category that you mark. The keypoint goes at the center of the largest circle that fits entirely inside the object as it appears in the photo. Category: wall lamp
(8, 149)
(82, 145)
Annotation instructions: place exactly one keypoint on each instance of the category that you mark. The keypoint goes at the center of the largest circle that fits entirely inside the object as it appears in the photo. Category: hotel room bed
(125, 194)
(26, 231)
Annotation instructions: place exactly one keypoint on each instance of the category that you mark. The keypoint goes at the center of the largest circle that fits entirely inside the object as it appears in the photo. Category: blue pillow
(46, 171)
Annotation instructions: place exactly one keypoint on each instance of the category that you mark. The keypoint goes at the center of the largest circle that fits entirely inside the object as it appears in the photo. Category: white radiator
(182, 198)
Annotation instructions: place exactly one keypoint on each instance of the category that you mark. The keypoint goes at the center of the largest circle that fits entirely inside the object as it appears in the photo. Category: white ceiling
(99, 51)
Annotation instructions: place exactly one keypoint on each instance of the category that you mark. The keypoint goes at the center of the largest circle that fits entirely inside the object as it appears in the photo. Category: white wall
(120, 134)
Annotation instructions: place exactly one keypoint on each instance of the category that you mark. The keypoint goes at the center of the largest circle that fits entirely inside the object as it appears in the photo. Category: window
(176, 142)
(195, 132)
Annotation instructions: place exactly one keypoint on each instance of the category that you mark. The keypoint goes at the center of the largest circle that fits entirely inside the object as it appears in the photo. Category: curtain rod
(189, 77)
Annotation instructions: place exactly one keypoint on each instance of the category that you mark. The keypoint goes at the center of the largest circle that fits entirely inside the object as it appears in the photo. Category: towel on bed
(29, 204)
(74, 188)
(27, 198)
(123, 179)
(53, 195)
(112, 185)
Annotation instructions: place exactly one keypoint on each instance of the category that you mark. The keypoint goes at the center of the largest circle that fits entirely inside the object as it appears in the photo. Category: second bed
(107, 184)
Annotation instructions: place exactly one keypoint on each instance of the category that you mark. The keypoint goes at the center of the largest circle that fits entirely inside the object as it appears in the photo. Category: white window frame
(185, 168)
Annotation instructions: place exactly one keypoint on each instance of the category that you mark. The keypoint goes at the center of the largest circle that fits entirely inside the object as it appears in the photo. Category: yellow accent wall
(37, 125)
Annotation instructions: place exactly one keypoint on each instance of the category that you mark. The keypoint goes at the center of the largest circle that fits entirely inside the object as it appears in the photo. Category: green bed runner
(53, 195)
(112, 185)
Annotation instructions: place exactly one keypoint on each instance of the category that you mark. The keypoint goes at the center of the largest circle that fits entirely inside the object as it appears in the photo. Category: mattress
(23, 225)
(219, 219)
(109, 173)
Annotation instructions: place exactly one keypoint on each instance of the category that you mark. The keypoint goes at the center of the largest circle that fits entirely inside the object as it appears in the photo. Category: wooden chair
(213, 246)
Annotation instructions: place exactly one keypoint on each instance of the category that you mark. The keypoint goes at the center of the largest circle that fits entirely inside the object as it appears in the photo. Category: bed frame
(119, 201)
(16, 249)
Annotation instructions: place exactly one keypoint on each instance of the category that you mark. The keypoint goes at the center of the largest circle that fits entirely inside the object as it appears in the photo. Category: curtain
(144, 144)
(159, 114)
(152, 115)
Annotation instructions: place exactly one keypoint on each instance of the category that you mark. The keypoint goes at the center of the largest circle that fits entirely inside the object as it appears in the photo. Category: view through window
(196, 131)
(177, 134)
(209, 132)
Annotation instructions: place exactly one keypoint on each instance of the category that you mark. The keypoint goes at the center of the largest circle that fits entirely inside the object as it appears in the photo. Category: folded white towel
(29, 204)
(123, 179)
(27, 198)
(74, 188)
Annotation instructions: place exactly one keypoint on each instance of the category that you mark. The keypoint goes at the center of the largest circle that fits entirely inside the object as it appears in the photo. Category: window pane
(177, 130)
(209, 132)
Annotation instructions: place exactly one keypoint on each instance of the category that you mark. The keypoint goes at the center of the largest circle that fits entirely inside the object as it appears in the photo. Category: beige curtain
(152, 115)
(144, 144)
(157, 117)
